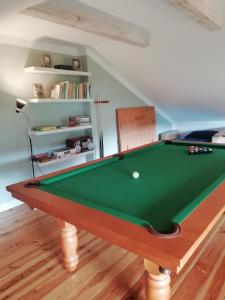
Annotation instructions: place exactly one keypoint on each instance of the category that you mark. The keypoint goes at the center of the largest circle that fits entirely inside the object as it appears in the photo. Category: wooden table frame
(161, 255)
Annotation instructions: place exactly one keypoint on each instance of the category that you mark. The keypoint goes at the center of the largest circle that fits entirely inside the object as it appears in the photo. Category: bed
(200, 136)
(214, 136)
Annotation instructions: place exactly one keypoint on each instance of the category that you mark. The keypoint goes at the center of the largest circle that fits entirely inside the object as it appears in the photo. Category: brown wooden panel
(136, 126)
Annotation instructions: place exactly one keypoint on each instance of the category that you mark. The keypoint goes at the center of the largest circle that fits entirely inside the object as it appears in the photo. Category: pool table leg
(157, 284)
(68, 234)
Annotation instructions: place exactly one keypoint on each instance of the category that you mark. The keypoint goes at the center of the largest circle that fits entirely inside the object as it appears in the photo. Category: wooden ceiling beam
(205, 12)
(91, 20)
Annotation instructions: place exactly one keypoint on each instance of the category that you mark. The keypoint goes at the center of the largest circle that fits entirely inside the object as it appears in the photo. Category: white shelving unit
(70, 157)
(41, 70)
(40, 101)
(51, 100)
(60, 130)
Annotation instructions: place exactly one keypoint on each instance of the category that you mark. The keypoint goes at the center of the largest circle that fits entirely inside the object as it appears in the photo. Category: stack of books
(71, 90)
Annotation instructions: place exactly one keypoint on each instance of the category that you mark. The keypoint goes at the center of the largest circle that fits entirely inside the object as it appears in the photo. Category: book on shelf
(45, 128)
(71, 90)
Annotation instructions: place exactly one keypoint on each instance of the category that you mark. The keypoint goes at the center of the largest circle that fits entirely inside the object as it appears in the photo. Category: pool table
(163, 215)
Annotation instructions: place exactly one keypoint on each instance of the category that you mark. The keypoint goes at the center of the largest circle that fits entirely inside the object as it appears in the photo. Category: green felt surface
(171, 184)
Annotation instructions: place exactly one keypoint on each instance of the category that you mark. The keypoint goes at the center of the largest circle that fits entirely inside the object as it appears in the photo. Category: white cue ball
(135, 175)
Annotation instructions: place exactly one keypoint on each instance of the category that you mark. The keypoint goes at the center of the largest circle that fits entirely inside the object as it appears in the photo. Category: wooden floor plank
(195, 284)
(35, 233)
(178, 279)
(45, 287)
(30, 265)
(54, 266)
(106, 276)
(216, 290)
(97, 267)
(125, 282)
(7, 215)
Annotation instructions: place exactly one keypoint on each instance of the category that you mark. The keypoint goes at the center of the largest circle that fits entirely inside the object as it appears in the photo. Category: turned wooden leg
(68, 234)
(157, 284)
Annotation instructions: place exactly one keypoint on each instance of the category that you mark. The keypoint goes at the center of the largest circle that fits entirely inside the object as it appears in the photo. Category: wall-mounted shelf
(55, 161)
(51, 100)
(86, 107)
(41, 70)
(60, 130)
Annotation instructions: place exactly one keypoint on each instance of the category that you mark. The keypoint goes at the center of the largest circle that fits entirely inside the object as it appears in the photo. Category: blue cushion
(200, 136)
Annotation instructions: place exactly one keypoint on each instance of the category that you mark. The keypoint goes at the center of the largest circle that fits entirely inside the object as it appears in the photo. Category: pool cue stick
(101, 141)
(100, 132)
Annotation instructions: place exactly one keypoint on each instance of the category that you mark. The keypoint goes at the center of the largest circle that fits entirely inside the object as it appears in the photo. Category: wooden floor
(30, 265)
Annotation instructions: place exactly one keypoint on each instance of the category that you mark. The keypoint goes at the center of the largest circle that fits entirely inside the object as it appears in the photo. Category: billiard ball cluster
(199, 150)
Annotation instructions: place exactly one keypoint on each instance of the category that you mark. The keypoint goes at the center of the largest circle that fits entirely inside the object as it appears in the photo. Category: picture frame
(46, 61)
(38, 90)
(72, 121)
(76, 64)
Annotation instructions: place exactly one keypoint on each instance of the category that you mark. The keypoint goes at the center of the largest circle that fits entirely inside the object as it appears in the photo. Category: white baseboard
(9, 204)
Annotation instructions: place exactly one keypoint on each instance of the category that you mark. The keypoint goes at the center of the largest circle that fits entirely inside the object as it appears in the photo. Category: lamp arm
(27, 118)
(30, 142)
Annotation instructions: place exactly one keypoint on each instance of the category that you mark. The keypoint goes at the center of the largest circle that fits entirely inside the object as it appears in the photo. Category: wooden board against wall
(135, 126)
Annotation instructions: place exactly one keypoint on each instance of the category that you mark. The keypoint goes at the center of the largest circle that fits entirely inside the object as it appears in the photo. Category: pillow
(220, 133)
(201, 135)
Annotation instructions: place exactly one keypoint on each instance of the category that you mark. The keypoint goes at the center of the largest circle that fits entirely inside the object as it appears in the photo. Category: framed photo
(46, 61)
(38, 90)
(76, 64)
(72, 121)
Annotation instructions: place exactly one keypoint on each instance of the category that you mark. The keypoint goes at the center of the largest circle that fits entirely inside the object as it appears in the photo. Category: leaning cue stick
(100, 132)
(101, 145)
(99, 127)
(101, 141)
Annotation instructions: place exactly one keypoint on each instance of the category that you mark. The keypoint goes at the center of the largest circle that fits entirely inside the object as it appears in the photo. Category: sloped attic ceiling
(183, 69)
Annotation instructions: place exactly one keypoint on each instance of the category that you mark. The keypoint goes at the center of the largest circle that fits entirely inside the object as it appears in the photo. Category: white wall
(14, 146)
(105, 86)
(14, 82)
(183, 69)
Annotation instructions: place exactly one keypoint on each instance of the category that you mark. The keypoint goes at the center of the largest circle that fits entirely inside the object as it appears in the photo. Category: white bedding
(219, 137)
